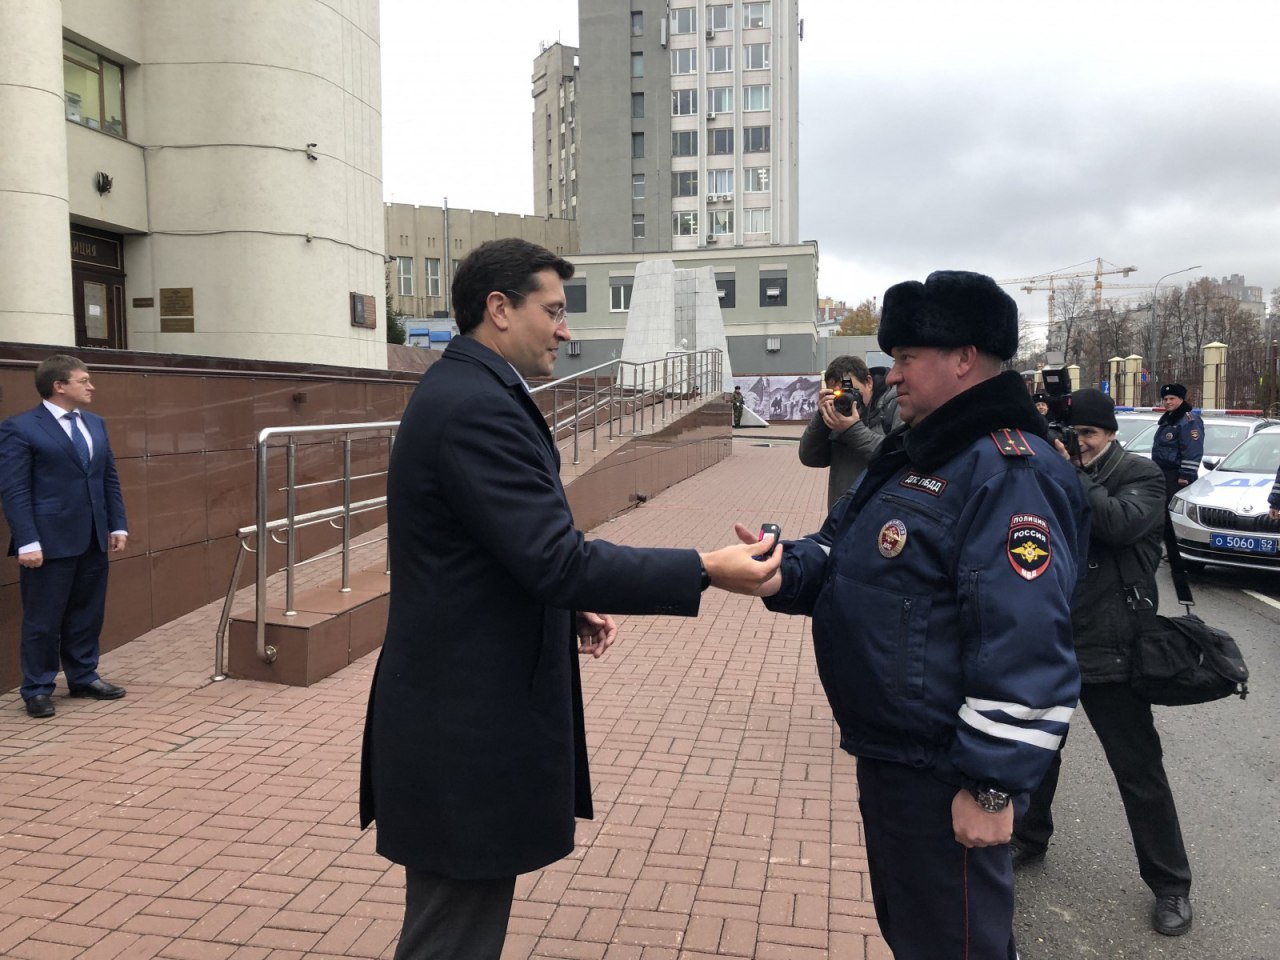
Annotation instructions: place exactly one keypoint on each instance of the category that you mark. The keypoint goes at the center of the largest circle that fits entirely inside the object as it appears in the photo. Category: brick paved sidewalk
(218, 820)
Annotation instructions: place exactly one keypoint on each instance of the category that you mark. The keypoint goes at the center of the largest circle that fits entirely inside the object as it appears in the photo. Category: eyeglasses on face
(555, 314)
(79, 381)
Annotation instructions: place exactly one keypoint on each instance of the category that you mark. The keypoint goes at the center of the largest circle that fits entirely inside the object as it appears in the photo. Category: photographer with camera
(1126, 497)
(856, 410)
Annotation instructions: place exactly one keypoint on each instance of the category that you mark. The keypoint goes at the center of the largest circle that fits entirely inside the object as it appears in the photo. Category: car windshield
(1221, 438)
(1259, 454)
(1143, 441)
(1130, 427)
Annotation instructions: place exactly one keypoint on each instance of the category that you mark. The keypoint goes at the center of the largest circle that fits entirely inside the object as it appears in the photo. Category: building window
(432, 273)
(575, 296)
(756, 15)
(684, 61)
(684, 223)
(773, 290)
(684, 103)
(637, 226)
(684, 143)
(637, 186)
(755, 139)
(404, 276)
(637, 23)
(619, 295)
(94, 89)
(721, 222)
(755, 56)
(756, 97)
(726, 289)
(756, 220)
(756, 179)
(637, 146)
(637, 64)
(719, 59)
(720, 142)
(684, 20)
(720, 99)
(720, 181)
(684, 183)
(772, 344)
(637, 106)
(720, 16)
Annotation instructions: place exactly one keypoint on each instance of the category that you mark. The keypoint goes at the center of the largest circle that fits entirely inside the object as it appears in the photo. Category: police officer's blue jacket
(1179, 443)
(940, 591)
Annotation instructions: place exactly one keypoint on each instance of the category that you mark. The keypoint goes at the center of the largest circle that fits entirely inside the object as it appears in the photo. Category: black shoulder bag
(1180, 660)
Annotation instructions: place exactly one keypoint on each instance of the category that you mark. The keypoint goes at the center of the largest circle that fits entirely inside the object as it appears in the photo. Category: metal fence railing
(609, 394)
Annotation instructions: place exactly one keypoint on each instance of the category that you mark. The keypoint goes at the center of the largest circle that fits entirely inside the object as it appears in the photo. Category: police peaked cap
(952, 308)
(1174, 390)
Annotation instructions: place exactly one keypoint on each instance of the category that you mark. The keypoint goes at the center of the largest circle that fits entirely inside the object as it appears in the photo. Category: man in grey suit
(61, 497)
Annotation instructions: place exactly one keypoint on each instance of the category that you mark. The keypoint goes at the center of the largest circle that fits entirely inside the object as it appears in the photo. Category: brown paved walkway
(218, 820)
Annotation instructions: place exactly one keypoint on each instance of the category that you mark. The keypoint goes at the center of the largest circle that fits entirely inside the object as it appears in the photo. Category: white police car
(1222, 517)
(1222, 434)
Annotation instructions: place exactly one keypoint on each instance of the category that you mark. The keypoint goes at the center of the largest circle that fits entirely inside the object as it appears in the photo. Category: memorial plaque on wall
(177, 310)
(364, 311)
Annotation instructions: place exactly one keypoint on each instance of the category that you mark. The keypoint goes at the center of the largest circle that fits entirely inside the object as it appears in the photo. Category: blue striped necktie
(77, 438)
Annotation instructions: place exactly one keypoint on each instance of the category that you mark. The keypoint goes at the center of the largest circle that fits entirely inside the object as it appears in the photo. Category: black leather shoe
(40, 707)
(99, 690)
(1023, 855)
(1172, 915)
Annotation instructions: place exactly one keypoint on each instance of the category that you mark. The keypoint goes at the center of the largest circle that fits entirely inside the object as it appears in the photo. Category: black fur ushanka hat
(952, 308)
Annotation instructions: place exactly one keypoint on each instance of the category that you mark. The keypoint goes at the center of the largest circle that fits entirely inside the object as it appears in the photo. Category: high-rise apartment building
(680, 126)
(555, 140)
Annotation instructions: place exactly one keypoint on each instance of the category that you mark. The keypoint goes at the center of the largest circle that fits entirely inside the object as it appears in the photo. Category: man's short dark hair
(847, 366)
(507, 266)
(58, 367)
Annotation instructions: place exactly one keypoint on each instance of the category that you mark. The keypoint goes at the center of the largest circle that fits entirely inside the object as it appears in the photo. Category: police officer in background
(1041, 401)
(940, 593)
(1126, 494)
(1179, 441)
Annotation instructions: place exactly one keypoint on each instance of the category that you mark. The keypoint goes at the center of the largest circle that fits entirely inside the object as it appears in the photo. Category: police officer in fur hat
(1179, 442)
(940, 594)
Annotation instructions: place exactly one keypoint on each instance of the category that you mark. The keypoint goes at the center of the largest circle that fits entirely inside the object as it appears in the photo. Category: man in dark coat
(1126, 493)
(475, 761)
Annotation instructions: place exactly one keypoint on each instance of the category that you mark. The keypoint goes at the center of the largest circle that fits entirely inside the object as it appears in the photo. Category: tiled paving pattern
(218, 820)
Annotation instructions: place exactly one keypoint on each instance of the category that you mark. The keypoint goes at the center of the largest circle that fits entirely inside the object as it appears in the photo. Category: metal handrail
(653, 383)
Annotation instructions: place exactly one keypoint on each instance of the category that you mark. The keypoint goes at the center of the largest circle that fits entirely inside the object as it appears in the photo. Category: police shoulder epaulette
(1011, 443)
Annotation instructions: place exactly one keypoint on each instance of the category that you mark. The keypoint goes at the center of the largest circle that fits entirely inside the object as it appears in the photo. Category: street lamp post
(1155, 293)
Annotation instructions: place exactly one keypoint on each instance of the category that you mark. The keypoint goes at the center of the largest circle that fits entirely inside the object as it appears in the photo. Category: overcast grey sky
(1014, 138)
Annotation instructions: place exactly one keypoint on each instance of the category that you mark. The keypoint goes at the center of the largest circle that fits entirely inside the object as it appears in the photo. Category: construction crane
(1031, 283)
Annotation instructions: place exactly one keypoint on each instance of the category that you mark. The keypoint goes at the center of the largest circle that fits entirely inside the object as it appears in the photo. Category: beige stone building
(183, 176)
(425, 244)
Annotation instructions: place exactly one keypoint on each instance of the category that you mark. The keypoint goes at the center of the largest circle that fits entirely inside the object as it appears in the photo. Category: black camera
(846, 397)
(1057, 385)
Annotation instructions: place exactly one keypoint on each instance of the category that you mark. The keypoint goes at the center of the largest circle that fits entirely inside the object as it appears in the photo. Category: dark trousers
(935, 899)
(1128, 734)
(449, 919)
(63, 602)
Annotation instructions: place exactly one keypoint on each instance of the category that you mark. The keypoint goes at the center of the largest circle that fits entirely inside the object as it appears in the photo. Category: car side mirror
(1211, 463)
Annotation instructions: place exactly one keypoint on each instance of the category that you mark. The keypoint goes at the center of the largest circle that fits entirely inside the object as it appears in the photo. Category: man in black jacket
(1126, 493)
(475, 759)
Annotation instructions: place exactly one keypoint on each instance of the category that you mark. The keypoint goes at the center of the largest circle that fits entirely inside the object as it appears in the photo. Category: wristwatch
(989, 798)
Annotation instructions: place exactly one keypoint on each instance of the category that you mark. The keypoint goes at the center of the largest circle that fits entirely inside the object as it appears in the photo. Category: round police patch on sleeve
(1029, 548)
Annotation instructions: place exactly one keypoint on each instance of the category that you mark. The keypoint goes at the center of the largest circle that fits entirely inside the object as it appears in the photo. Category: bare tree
(1072, 306)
